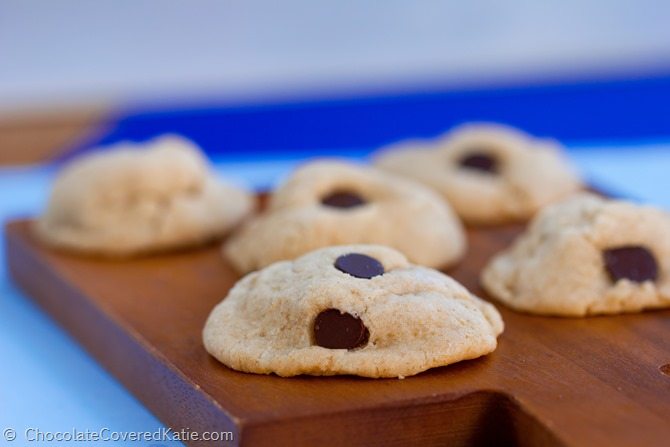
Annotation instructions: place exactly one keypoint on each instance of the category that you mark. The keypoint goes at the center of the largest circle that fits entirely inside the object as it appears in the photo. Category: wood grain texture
(551, 382)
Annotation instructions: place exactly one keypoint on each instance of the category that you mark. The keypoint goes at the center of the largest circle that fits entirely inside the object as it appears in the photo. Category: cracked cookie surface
(132, 199)
(327, 203)
(491, 174)
(360, 309)
(586, 256)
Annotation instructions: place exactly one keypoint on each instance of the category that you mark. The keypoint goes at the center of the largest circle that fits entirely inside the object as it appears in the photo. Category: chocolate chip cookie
(359, 309)
(136, 198)
(335, 203)
(491, 174)
(586, 256)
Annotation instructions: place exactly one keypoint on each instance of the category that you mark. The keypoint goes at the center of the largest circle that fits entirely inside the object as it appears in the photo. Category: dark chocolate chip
(337, 330)
(359, 265)
(343, 199)
(631, 262)
(480, 161)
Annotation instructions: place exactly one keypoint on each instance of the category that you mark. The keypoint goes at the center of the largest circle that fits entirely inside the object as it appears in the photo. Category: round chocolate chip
(334, 329)
(631, 262)
(343, 199)
(480, 161)
(360, 266)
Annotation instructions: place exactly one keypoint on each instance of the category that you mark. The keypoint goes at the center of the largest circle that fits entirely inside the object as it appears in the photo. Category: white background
(83, 52)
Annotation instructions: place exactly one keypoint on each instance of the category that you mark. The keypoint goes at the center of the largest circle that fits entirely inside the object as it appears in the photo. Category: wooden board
(552, 382)
(34, 137)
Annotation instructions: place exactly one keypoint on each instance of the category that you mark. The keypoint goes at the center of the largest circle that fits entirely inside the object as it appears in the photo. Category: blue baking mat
(588, 112)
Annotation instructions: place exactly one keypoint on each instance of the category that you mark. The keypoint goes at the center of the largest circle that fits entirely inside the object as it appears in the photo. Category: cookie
(491, 174)
(360, 309)
(328, 203)
(133, 199)
(586, 256)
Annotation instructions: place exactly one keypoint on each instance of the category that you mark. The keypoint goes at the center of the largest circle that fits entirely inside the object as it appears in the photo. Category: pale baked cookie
(360, 309)
(586, 256)
(334, 203)
(490, 174)
(133, 199)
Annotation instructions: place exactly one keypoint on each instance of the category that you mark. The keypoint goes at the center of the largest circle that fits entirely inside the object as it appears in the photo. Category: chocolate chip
(480, 161)
(339, 330)
(343, 199)
(631, 262)
(359, 265)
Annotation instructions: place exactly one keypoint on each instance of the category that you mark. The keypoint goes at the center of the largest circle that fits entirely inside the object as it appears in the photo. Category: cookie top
(133, 198)
(335, 203)
(359, 309)
(586, 256)
(491, 174)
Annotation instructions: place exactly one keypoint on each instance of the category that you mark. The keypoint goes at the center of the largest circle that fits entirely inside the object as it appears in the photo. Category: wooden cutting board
(601, 381)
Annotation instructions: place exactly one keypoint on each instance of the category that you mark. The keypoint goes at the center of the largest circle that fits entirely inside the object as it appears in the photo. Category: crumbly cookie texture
(491, 174)
(406, 318)
(586, 256)
(133, 199)
(328, 203)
